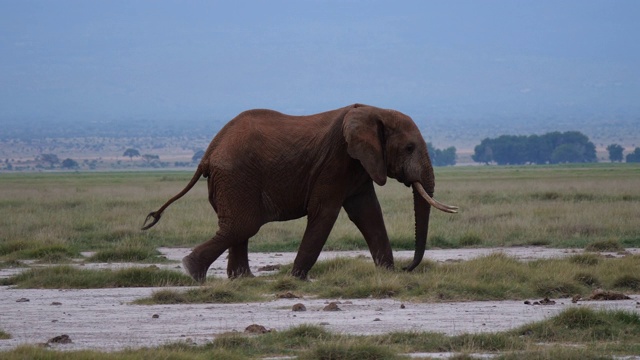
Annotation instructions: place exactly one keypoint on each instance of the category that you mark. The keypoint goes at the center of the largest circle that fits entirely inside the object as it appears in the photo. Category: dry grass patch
(570, 206)
(494, 277)
(68, 277)
(576, 333)
(218, 292)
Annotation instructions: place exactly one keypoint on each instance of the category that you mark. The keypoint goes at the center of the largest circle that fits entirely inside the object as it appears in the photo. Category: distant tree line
(446, 157)
(550, 148)
(616, 154)
(634, 156)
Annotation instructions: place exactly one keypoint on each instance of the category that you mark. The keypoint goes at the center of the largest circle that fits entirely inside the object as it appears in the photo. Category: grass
(128, 252)
(68, 277)
(576, 333)
(226, 292)
(494, 277)
(605, 246)
(57, 216)
(584, 325)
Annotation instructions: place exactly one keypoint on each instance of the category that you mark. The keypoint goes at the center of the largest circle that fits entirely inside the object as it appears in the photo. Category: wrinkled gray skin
(266, 166)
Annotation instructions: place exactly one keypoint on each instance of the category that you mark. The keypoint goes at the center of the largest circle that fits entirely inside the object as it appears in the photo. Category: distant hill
(102, 143)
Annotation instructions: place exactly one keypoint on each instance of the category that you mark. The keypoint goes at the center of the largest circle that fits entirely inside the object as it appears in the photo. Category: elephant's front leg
(238, 262)
(364, 210)
(319, 224)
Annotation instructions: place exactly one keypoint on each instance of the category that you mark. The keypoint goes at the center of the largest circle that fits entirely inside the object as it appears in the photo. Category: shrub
(605, 245)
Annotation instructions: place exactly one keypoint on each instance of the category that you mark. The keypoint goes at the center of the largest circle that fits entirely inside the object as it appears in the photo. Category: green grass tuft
(68, 277)
(470, 240)
(627, 281)
(35, 250)
(578, 318)
(588, 279)
(341, 351)
(605, 245)
(217, 292)
(136, 253)
(585, 259)
(579, 324)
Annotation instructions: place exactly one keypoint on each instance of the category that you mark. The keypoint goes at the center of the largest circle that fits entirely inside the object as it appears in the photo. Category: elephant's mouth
(402, 178)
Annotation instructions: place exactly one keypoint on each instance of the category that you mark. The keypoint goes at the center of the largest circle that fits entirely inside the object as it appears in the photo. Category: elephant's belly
(279, 210)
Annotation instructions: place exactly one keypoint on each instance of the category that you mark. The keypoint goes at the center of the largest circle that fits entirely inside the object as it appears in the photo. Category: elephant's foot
(238, 273)
(299, 273)
(194, 268)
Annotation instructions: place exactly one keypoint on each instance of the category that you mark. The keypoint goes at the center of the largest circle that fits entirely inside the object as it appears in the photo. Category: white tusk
(433, 202)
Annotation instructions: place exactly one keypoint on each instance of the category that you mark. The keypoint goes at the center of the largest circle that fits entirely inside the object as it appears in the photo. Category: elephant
(266, 166)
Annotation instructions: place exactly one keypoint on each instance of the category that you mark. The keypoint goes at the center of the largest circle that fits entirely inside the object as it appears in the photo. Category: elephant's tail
(155, 215)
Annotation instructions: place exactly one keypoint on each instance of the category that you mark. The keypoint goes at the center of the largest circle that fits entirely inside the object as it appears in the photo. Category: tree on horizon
(615, 152)
(131, 153)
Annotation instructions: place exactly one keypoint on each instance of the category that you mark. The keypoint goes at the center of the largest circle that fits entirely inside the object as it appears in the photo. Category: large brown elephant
(266, 166)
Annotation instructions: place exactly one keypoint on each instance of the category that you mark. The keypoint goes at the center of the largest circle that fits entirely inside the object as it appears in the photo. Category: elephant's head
(389, 144)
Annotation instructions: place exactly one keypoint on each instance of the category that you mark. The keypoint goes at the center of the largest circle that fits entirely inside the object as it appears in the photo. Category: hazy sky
(103, 60)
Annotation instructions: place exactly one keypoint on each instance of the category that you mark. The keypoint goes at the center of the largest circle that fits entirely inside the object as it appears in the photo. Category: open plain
(472, 280)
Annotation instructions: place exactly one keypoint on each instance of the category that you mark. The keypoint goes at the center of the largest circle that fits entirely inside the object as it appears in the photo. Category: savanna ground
(52, 224)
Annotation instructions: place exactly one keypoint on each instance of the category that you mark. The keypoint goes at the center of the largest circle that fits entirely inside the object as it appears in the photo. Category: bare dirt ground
(105, 319)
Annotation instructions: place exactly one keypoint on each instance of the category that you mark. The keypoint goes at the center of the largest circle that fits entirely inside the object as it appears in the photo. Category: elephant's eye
(410, 148)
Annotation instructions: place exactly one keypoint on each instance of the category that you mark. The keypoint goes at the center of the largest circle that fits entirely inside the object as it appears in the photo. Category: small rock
(608, 295)
(256, 329)
(287, 295)
(61, 339)
(332, 307)
(324, 323)
(299, 307)
(546, 301)
(527, 302)
(376, 319)
(155, 316)
(270, 267)
(23, 300)
(55, 303)
(402, 306)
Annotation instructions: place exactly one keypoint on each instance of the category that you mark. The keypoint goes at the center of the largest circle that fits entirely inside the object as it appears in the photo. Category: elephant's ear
(363, 131)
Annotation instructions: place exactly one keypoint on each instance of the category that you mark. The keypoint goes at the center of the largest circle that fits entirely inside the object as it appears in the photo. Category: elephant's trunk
(422, 210)
(422, 202)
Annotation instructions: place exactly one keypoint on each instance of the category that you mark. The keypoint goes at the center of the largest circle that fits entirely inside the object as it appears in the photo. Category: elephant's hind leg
(198, 261)
(195, 268)
(238, 263)
(232, 236)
